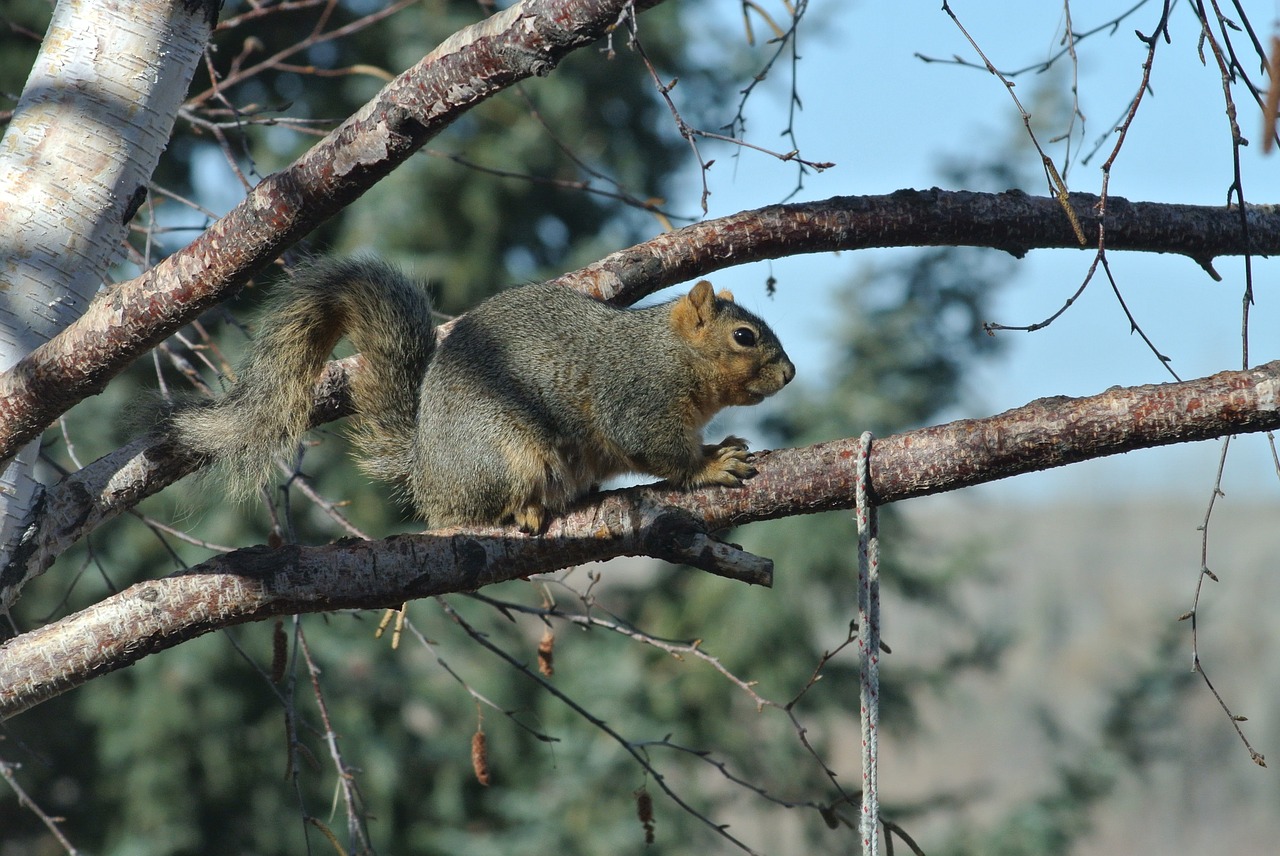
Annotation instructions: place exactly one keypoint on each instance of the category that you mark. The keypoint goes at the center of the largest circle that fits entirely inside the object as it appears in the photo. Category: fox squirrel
(536, 396)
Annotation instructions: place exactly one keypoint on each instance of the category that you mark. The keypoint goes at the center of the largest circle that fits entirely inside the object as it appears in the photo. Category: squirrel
(537, 395)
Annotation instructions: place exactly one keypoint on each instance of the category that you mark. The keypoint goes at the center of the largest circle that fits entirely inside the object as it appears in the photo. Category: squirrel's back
(536, 395)
(563, 392)
(528, 385)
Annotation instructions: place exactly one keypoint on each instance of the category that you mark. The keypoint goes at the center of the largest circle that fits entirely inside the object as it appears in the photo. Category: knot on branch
(679, 536)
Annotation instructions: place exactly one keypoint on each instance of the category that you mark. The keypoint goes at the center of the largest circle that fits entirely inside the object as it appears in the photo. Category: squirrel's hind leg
(541, 484)
(532, 518)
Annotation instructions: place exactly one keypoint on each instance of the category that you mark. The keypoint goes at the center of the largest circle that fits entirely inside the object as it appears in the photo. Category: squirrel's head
(739, 360)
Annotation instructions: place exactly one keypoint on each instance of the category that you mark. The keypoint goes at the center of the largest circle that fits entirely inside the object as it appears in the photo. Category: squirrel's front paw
(728, 463)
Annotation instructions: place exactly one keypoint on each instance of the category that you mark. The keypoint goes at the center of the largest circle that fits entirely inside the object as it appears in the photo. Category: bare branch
(7, 772)
(1011, 221)
(258, 582)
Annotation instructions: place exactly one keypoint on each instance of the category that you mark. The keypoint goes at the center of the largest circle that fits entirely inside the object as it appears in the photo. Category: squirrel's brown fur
(536, 395)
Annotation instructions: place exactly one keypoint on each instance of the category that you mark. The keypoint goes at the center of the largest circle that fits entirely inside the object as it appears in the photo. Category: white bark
(93, 119)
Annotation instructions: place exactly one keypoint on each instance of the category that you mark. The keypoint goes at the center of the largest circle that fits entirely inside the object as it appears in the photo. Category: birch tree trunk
(93, 119)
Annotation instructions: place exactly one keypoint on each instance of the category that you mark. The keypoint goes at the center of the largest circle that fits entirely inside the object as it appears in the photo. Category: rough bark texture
(1010, 221)
(115, 483)
(1047, 433)
(95, 115)
(256, 583)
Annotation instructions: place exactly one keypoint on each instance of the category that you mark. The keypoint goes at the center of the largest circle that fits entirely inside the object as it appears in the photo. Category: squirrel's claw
(728, 463)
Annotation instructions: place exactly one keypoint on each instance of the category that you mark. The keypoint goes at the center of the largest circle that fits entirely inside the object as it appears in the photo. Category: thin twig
(7, 772)
(315, 38)
(695, 649)
(1042, 66)
(1193, 614)
(479, 697)
(359, 836)
(627, 746)
(1057, 186)
(691, 134)
(1100, 256)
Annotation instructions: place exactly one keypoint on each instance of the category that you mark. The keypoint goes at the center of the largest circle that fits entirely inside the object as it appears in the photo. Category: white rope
(868, 647)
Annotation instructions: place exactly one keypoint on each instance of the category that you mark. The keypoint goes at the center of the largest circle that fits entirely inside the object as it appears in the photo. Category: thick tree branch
(252, 584)
(116, 482)
(528, 39)
(1042, 435)
(1010, 221)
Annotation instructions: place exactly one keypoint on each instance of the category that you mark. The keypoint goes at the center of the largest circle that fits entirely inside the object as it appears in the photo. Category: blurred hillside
(1086, 593)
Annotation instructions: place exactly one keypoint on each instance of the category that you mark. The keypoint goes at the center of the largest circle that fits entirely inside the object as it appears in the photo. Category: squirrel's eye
(745, 336)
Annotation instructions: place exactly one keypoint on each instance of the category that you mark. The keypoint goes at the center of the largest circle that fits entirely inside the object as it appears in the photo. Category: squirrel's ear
(695, 309)
(705, 286)
(701, 295)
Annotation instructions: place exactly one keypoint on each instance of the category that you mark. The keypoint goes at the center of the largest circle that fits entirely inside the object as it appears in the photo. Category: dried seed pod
(480, 758)
(546, 653)
(644, 810)
(279, 652)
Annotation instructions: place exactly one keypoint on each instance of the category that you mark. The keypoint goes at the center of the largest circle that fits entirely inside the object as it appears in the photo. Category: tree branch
(99, 103)
(252, 584)
(1011, 221)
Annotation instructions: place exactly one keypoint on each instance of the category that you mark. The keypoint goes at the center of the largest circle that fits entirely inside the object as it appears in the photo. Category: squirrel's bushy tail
(388, 319)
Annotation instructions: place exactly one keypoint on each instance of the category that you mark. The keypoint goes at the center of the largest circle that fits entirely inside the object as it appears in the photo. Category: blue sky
(887, 119)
